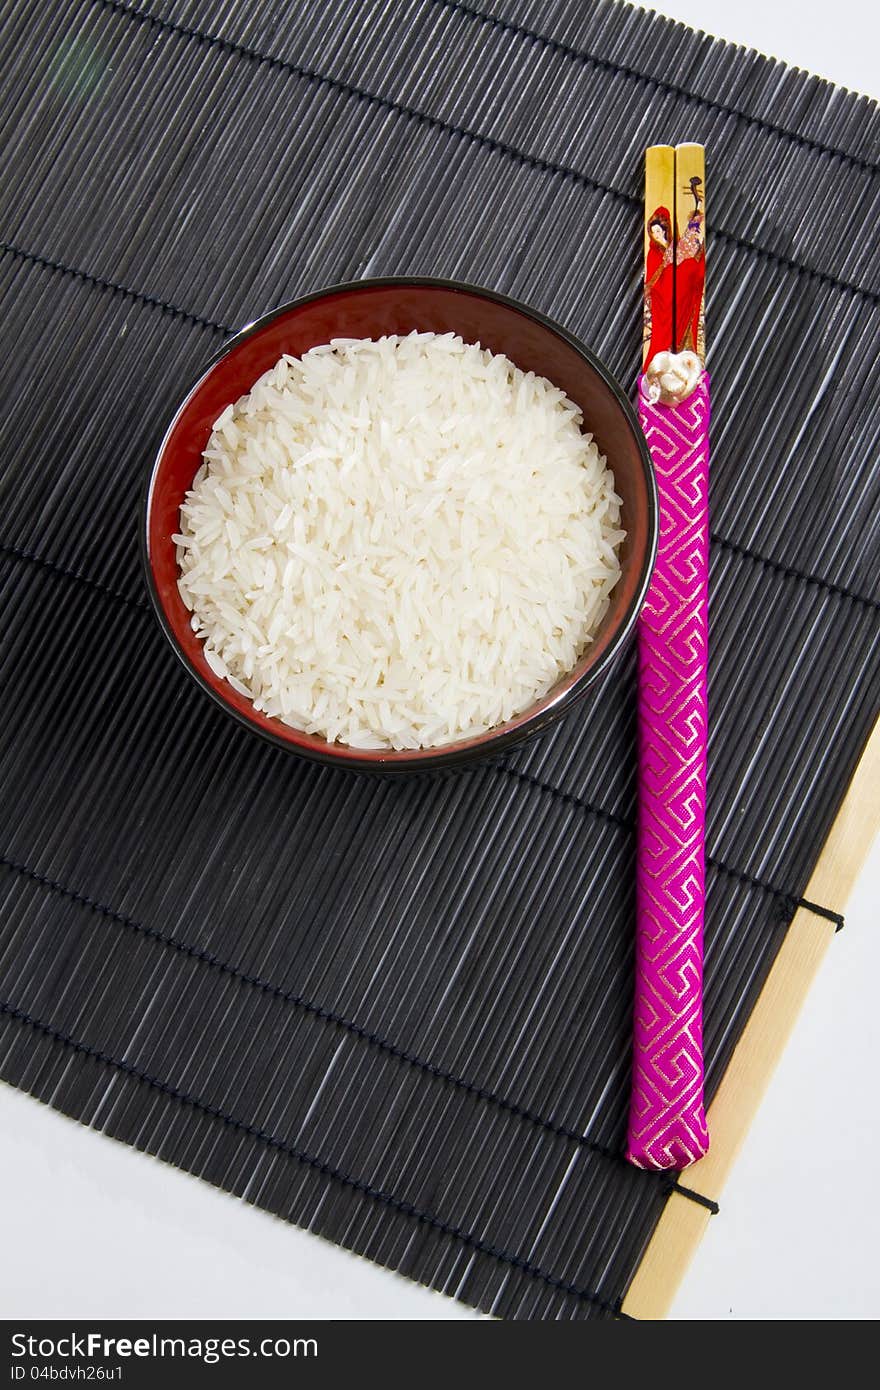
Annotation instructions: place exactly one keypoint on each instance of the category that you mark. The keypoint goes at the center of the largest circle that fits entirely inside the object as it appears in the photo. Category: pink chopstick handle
(667, 1122)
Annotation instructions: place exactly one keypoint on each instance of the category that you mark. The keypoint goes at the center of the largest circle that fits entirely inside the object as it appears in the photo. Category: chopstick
(667, 1122)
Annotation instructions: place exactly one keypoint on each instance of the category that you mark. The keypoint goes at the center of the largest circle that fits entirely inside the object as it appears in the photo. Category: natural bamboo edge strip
(766, 1033)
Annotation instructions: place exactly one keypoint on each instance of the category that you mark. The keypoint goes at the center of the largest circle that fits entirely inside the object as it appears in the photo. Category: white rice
(396, 544)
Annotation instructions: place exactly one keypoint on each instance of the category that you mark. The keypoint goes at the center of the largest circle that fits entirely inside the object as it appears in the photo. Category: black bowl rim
(453, 754)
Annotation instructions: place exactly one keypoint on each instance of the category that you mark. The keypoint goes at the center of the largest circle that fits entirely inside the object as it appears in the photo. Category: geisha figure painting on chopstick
(675, 277)
(690, 275)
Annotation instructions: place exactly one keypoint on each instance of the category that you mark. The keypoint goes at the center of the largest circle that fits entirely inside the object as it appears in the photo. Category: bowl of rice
(400, 524)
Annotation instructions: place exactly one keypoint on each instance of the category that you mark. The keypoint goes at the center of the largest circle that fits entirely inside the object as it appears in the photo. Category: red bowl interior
(368, 310)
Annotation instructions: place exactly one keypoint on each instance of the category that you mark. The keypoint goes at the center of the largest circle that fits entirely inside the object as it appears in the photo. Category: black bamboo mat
(397, 1013)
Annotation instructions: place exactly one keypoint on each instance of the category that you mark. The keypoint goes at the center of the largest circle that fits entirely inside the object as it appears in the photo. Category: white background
(93, 1229)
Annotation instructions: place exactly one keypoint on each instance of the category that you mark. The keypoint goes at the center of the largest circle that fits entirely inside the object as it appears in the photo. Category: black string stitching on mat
(667, 1181)
(13, 552)
(376, 1194)
(489, 142)
(622, 823)
(793, 900)
(789, 572)
(611, 65)
(7, 247)
(98, 282)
